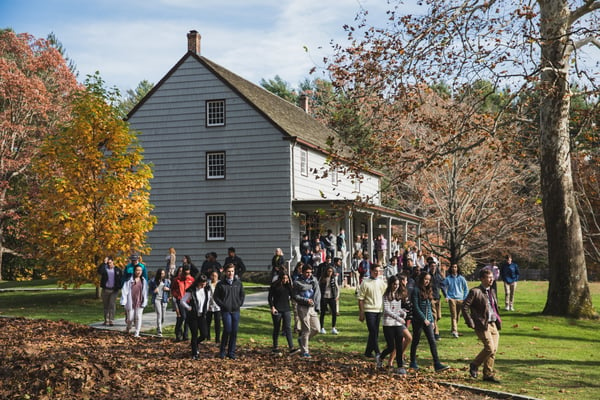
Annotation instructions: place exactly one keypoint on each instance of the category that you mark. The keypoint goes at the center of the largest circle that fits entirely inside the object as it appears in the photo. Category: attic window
(215, 113)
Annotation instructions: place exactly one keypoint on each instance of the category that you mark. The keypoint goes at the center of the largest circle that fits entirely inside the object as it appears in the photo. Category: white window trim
(304, 162)
(208, 165)
(208, 113)
(209, 238)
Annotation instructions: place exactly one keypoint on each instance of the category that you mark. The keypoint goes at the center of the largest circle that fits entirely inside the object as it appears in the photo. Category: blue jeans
(231, 321)
(418, 327)
(372, 319)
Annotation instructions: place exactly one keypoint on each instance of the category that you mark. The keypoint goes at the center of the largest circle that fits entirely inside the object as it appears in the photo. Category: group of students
(408, 299)
(401, 300)
(197, 300)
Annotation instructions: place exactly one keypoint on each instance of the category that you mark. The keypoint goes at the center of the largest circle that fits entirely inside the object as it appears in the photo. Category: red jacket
(179, 286)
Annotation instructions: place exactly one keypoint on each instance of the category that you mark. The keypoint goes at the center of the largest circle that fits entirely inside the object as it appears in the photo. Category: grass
(539, 356)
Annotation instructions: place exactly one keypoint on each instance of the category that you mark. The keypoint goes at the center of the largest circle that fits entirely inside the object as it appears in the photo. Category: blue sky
(131, 40)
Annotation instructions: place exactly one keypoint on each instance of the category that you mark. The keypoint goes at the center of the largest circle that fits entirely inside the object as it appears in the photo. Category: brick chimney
(193, 40)
(304, 104)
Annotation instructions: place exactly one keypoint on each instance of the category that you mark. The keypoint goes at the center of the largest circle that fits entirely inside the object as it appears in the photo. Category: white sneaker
(334, 331)
(507, 308)
(323, 331)
(512, 308)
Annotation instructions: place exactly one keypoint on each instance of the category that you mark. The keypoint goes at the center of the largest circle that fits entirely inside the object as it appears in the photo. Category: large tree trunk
(568, 292)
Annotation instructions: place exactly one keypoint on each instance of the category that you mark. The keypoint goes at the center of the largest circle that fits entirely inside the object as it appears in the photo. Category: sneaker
(507, 308)
(455, 335)
(221, 356)
(378, 362)
(159, 335)
(473, 370)
(413, 365)
(276, 351)
(305, 355)
(231, 356)
(294, 351)
(334, 331)
(437, 338)
(512, 308)
(323, 331)
(401, 371)
(441, 367)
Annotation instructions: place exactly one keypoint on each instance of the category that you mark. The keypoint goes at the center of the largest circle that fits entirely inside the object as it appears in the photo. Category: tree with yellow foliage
(93, 198)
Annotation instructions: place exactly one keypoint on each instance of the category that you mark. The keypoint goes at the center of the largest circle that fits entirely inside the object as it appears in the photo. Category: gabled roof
(293, 122)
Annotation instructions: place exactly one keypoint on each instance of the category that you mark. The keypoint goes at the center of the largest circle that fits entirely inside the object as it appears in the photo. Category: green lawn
(539, 356)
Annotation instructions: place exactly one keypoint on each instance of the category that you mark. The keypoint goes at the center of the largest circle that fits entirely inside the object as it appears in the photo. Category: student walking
(160, 288)
(134, 297)
(480, 311)
(423, 320)
(396, 333)
(195, 301)
(229, 296)
(110, 282)
(308, 298)
(280, 294)
(330, 292)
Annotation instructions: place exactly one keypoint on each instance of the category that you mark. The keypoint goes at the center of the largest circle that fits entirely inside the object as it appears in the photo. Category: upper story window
(334, 176)
(215, 113)
(304, 162)
(215, 165)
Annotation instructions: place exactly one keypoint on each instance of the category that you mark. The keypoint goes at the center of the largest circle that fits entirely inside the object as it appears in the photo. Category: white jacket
(126, 293)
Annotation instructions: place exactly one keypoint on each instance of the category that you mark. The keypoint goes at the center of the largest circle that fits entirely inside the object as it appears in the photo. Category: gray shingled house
(236, 166)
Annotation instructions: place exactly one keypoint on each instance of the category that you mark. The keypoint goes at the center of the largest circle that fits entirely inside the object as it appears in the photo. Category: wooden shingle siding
(254, 196)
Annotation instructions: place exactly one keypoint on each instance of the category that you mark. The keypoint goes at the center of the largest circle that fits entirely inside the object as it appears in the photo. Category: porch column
(388, 251)
(370, 243)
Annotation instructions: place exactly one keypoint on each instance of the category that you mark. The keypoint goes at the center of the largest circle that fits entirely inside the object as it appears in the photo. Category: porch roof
(350, 205)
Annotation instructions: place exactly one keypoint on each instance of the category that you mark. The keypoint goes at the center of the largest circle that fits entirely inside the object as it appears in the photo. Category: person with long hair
(214, 311)
(171, 260)
(160, 288)
(280, 294)
(330, 293)
(134, 297)
(423, 320)
(195, 301)
(397, 336)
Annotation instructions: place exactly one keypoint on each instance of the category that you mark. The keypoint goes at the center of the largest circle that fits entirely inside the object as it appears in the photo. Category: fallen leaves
(61, 360)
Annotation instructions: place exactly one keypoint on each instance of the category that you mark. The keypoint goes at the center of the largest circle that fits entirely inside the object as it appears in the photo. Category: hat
(134, 257)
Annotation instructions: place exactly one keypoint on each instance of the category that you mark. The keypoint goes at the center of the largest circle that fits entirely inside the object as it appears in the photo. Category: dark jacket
(104, 277)
(279, 297)
(475, 309)
(199, 309)
(229, 296)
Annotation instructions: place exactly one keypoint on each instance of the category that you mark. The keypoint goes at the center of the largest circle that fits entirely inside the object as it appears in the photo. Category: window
(215, 165)
(304, 162)
(215, 113)
(334, 176)
(215, 227)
